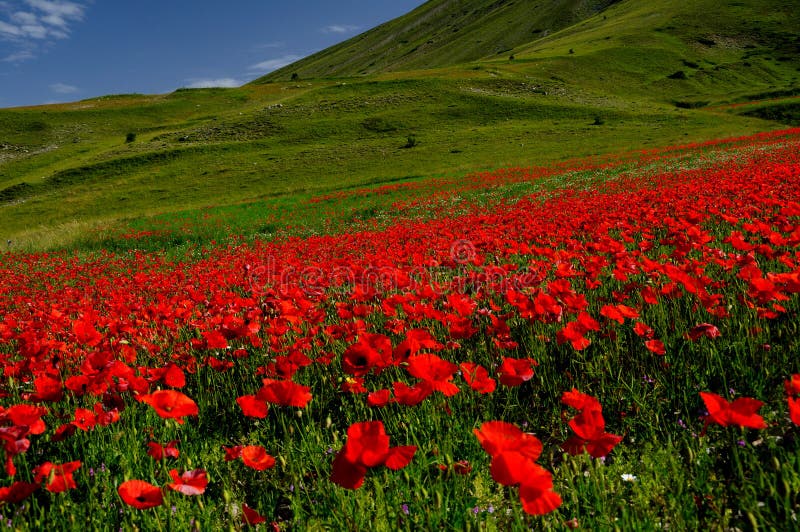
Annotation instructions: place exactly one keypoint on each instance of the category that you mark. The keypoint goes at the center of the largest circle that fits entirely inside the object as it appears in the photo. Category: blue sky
(66, 50)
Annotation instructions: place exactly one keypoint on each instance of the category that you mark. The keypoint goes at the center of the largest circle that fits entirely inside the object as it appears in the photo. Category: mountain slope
(639, 74)
(441, 33)
(675, 49)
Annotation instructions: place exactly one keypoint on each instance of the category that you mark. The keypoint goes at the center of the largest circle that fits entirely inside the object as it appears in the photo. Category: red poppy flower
(379, 399)
(353, 385)
(642, 330)
(537, 495)
(284, 393)
(372, 352)
(251, 517)
(104, 418)
(140, 494)
(159, 451)
(579, 400)
(26, 415)
(48, 389)
(497, 437)
(590, 435)
(704, 329)
(463, 305)
(58, 477)
(63, 432)
(656, 346)
(411, 395)
(347, 474)
(171, 404)
(416, 340)
(515, 371)
(793, 385)
(367, 446)
(794, 410)
(514, 467)
(740, 412)
(460, 328)
(252, 406)
(256, 457)
(232, 453)
(514, 454)
(84, 419)
(367, 443)
(618, 313)
(86, 334)
(17, 492)
(477, 377)
(434, 370)
(219, 365)
(575, 331)
(190, 482)
(171, 375)
(215, 340)
(589, 426)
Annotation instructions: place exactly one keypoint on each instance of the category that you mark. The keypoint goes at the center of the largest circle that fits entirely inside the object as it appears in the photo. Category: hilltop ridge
(442, 33)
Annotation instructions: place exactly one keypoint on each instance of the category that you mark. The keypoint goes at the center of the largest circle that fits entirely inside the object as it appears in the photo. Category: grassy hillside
(441, 33)
(672, 49)
(637, 75)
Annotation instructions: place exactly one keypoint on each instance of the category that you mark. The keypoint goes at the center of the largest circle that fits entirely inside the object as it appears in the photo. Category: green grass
(785, 113)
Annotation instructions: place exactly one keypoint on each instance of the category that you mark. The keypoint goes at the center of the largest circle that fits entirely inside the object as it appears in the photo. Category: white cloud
(23, 17)
(276, 44)
(58, 13)
(340, 28)
(276, 63)
(40, 22)
(63, 88)
(19, 56)
(34, 31)
(211, 83)
(9, 30)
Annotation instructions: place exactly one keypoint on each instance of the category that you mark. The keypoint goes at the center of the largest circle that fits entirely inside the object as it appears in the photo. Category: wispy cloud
(340, 28)
(63, 88)
(211, 83)
(32, 23)
(276, 44)
(273, 64)
(19, 56)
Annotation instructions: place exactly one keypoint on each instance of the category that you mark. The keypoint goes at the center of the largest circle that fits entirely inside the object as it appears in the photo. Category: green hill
(673, 49)
(442, 33)
(634, 75)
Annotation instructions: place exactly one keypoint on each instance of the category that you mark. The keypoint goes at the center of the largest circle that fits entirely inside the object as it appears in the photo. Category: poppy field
(617, 351)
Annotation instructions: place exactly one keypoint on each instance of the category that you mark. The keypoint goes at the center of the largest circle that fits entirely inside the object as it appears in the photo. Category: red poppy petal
(252, 406)
(399, 457)
(140, 494)
(251, 517)
(536, 501)
(347, 474)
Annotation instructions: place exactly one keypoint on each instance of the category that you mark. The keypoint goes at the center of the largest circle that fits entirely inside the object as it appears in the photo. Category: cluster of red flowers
(142, 495)
(589, 426)
(400, 300)
(367, 446)
(514, 454)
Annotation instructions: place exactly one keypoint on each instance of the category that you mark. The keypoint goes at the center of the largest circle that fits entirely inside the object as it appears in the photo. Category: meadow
(499, 266)
(605, 343)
